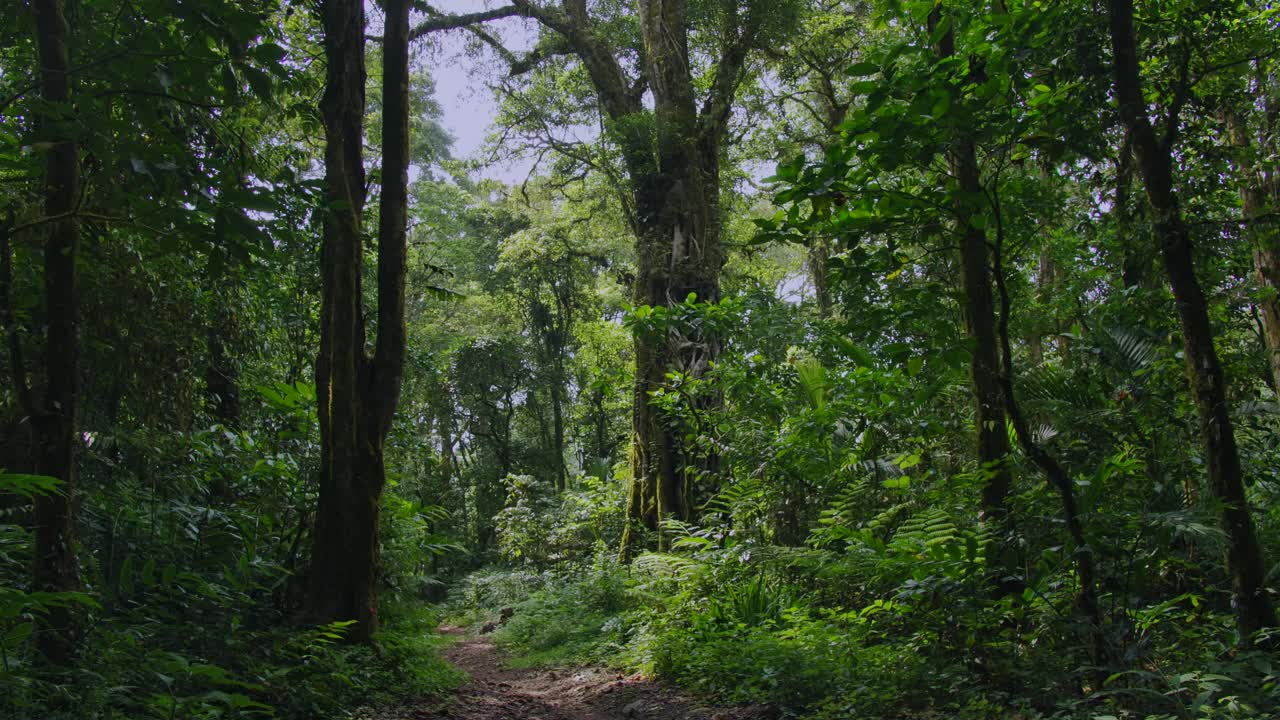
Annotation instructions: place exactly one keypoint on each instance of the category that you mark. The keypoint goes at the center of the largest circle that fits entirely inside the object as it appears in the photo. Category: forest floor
(499, 692)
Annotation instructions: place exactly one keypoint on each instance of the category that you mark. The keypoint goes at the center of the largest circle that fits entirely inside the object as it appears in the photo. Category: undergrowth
(290, 674)
(748, 632)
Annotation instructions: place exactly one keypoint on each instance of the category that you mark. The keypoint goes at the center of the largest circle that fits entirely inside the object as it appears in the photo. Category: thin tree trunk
(1054, 473)
(979, 319)
(54, 421)
(448, 458)
(1264, 235)
(1244, 561)
(1044, 282)
(222, 377)
(17, 448)
(1135, 260)
(358, 394)
(557, 430)
(600, 425)
(816, 257)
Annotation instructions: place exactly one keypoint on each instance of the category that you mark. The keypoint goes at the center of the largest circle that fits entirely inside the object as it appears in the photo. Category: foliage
(839, 560)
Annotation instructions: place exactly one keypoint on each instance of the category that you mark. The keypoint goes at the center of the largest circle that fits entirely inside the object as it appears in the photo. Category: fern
(1053, 386)
(667, 565)
(1130, 350)
(741, 500)
(924, 530)
(813, 381)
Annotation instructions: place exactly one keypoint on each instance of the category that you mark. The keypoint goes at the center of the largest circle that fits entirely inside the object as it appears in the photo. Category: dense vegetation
(968, 409)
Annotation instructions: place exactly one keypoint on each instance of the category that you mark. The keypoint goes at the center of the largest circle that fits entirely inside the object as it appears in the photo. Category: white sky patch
(463, 81)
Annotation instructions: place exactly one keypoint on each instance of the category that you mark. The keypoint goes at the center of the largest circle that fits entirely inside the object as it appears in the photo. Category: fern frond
(813, 381)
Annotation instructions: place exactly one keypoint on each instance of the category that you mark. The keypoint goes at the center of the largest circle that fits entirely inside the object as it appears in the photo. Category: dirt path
(497, 692)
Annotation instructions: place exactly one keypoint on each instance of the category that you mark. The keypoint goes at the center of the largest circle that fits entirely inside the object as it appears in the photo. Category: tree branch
(739, 36)
(15, 229)
(439, 21)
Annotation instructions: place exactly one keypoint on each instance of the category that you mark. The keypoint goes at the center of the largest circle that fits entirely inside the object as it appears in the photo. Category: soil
(498, 692)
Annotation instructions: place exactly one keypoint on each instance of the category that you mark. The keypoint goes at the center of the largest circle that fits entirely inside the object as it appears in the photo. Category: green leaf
(259, 82)
(862, 69)
(906, 461)
(914, 365)
(29, 486)
(269, 53)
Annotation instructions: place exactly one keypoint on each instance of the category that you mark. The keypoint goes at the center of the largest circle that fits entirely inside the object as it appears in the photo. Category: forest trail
(498, 692)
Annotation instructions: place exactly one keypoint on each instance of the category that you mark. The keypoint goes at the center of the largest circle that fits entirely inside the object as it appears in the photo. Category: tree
(671, 158)
(358, 392)
(979, 304)
(1156, 163)
(1259, 187)
(54, 413)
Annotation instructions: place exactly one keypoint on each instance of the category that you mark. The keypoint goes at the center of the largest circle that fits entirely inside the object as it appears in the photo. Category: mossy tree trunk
(358, 393)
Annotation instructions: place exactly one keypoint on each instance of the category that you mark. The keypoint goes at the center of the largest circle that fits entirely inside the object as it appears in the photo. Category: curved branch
(440, 21)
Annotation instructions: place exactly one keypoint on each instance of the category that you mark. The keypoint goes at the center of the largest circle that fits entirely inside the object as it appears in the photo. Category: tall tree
(979, 304)
(358, 393)
(53, 414)
(1155, 161)
(671, 157)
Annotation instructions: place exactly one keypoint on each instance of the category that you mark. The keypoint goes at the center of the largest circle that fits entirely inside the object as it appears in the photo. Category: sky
(462, 81)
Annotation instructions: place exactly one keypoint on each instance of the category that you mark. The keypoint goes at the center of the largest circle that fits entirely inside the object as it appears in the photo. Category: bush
(541, 528)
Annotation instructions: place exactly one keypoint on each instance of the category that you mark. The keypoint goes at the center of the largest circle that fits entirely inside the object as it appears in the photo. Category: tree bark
(358, 394)
(816, 257)
(1244, 561)
(557, 430)
(54, 419)
(222, 376)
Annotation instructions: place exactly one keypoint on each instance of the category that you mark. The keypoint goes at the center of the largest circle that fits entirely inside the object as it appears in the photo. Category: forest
(825, 359)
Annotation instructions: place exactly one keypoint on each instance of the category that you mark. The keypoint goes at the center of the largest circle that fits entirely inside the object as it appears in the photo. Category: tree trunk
(222, 377)
(979, 320)
(448, 458)
(1244, 561)
(17, 443)
(557, 429)
(54, 420)
(358, 394)
(1136, 257)
(677, 207)
(816, 257)
(1045, 275)
(1086, 600)
(1264, 234)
